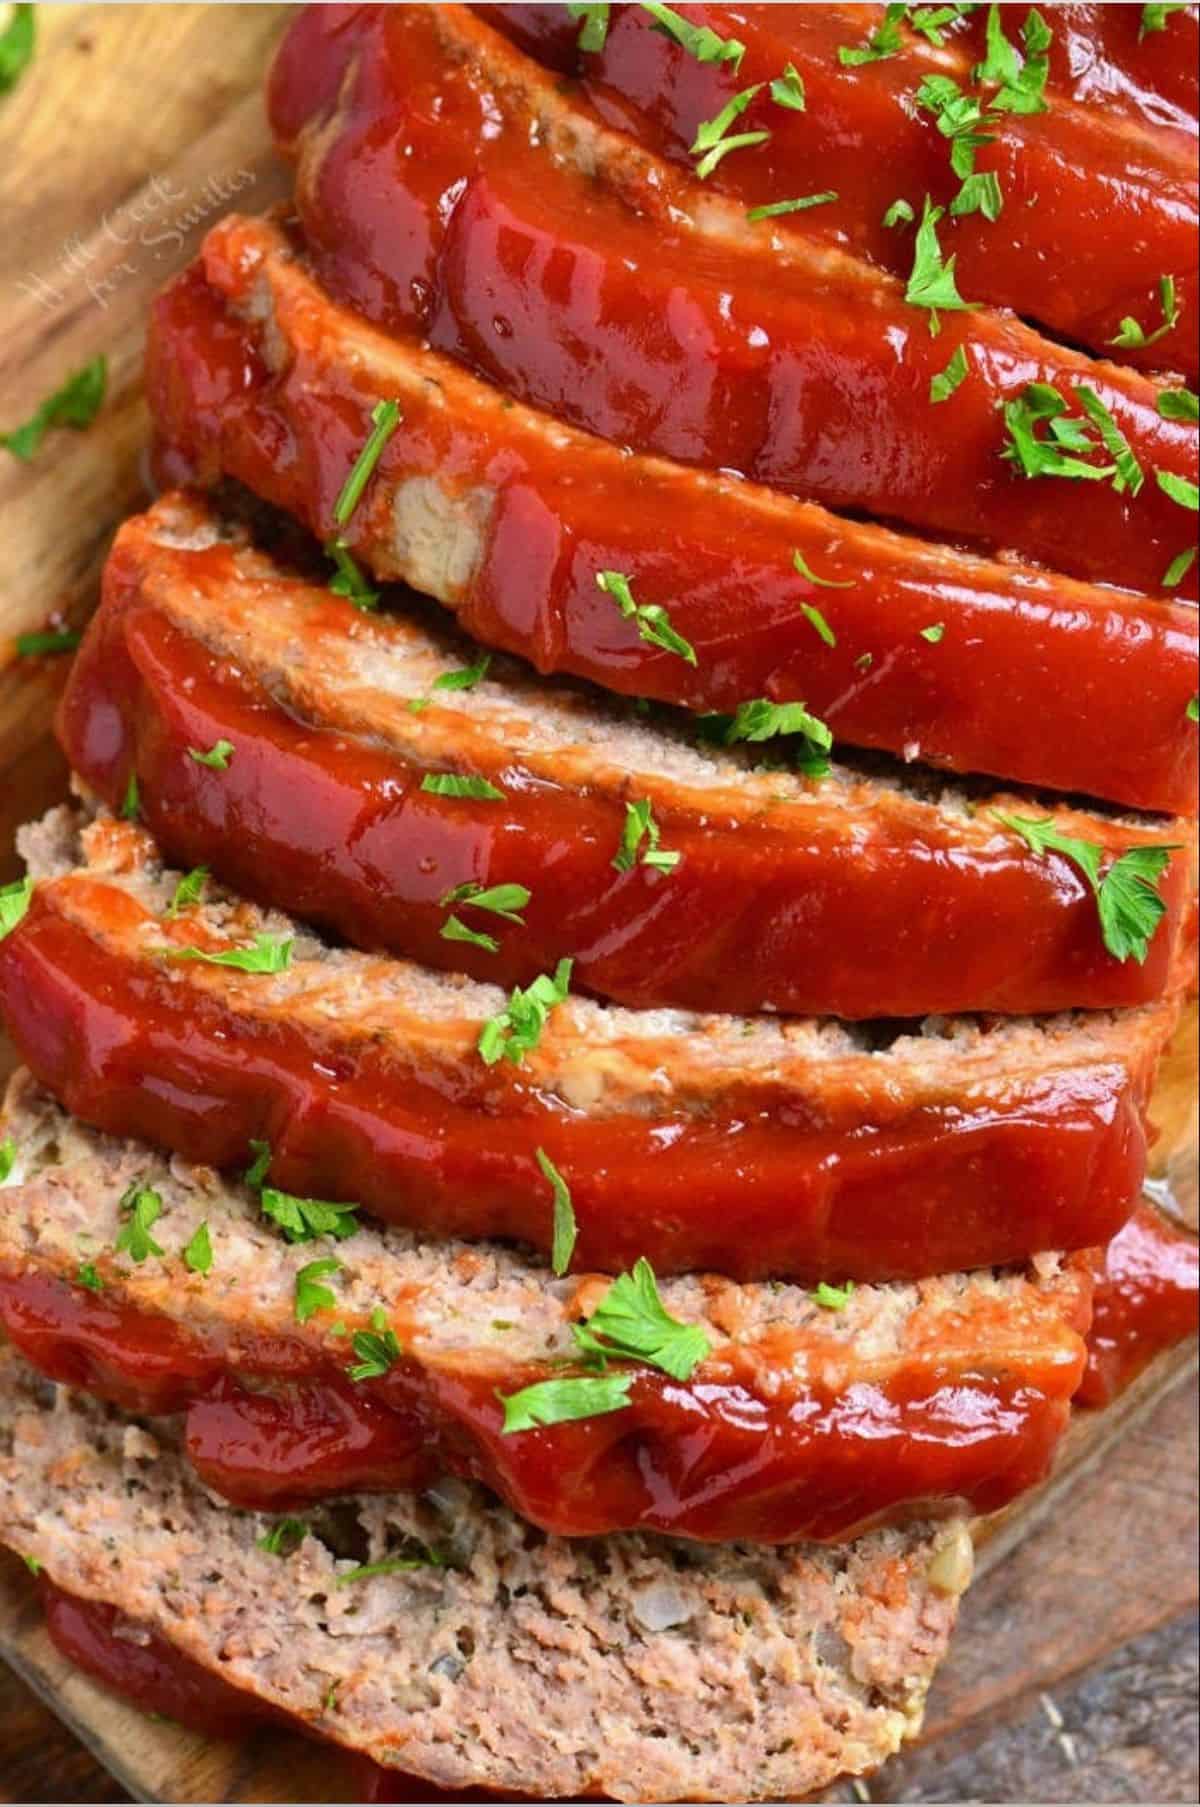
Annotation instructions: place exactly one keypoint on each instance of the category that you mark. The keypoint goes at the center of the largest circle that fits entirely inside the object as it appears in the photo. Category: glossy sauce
(591, 304)
(1095, 209)
(1035, 679)
(787, 911)
(761, 1177)
(1145, 1301)
(743, 1450)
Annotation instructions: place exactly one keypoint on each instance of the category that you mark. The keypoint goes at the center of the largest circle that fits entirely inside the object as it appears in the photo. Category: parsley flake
(698, 40)
(1127, 899)
(517, 1029)
(943, 385)
(565, 1230)
(899, 213)
(311, 1296)
(1129, 473)
(886, 42)
(632, 1323)
(774, 208)
(1038, 405)
(76, 405)
(1179, 404)
(455, 929)
(87, 1277)
(1131, 333)
(14, 901)
(502, 900)
(8, 1156)
(650, 618)
(131, 802)
(304, 1219)
(385, 418)
(217, 758)
(465, 677)
(461, 784)
(257, 1171)
(47, 645)
(188, 891)
(16, 46)
(761, 720)
(348, 580)
(1193, 709)
(391, 1565)
(141, 1207)
(564, 1401)
(818, 622)
(1180, 489)
(711, 144)
(787, 90)
(934, 632)
(284, 1538)
(1179, 567)
(833, 1298)
(806, 571)
(1154, 17)
(640, 825)
(198, 1255)
(377, 1349)
(929, 20)
(931, 284)
(593, 28)
(270, 954)
(1020, 80)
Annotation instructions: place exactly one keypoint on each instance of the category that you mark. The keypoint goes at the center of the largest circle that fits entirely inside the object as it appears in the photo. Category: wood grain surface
(1072, 1678)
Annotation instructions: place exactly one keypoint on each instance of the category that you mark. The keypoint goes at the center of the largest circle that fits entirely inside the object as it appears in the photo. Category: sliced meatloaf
(1080, 189)
(528, 529)
(793, 1415)
(638, 1667)
(739, 886)
(452, 188)
(164, 1007)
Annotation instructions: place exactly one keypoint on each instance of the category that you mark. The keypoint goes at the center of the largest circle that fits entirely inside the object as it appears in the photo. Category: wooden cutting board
(135, 129)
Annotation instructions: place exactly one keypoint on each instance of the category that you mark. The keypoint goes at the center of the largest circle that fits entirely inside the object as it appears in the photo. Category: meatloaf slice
(635, 1667)
(794, 1416)
(755, 1146)
(856, 895)
(452, 188)
(510, 517)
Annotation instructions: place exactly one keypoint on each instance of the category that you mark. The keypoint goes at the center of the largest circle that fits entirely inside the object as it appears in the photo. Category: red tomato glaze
(1146, 1299)
(272, 1422)
(804, 919)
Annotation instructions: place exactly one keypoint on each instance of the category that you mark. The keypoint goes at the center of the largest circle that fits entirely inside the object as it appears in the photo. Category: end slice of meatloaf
(761, 1146)
(362, 1361)
(635, 1667)
(509, 517)
(748, 887)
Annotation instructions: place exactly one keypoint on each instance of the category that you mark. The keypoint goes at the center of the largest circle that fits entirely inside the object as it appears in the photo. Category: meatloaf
(1096, 199)
(155, 1004)
(449, 187)
(528, 529)
(789, 1415)
(674, 872)
(481, 1652)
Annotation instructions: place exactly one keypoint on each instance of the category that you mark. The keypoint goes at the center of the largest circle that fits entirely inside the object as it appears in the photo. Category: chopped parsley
(1020, 80)
(461, 784)
(32, 1564)
(257, 1171)
(464, 677)
(131, 802)
(934, 632)
(455, 929)
(710, 144)
(980, 193)
(8, 1156)
(698, 40)
(640, 826)
(1193, 709)
(217, 757)
(961, 118)
(1180, 489)
(517, 1029)
(787, 90)
(931, 284)
(141, 1207)
(833, 1298)
(817, 621)
(564, 1233)
(188, 891)
(899, 213)
(887, 41)
(1131, 334)
(16, 46)
(385, 417)
(391, 1565)
(773, 209)
(347, 580)
(304, 1219)
(270, 954)
(198, 1255)
(943, 385)
(46, 645)
(1127, 900)
(1179, 404)
(562, 1401)
(632, 1323)
(929, 20)
(593, 27)
(1129, 473)
(311, 1296)
(1179, 567)
(806, 571)
(502, 900)
(284, 1538)
(76, 405)
(650, 618)
(14, 901)
(1038, 405)
(1154, 17)
(377, 1349)
(87, 1277)
(761, 720)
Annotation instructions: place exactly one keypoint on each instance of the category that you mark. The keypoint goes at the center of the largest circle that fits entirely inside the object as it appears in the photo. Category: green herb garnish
(188, 891)
(391, 1565)
(698, 40)
(131, 802)
(198, 1255)
(87, 1277)
(257, 1171)
(1154, 17)
(710, 144)
(14, 901)
(76, 405)
(311, 1296)
(934, 632)
(465, 677)
(806, 571)
(931, 284)
(16, 46)
(1131, 333)
(304, 1219)
(217, 757)
(270, 954)
(564, 1401)
(348, 580)
(1020, 81)
(632, 1323)
(517, 1029)
(1128, 902)
(774, 208)
(8, 1156)
(640, 825)
(1179, 404)
(385, 417)
(141, 1207)
(833, 1298)
(887, 41)
(943, 385)
(460, 784)
(47, 645)
(1179, 567)
(565, 1229)
(284, 1538)
(593, 29)
(899, 213)
(818, 622)
(650, 618)
(377, 1349)
(1180, 489)
(787, 90)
